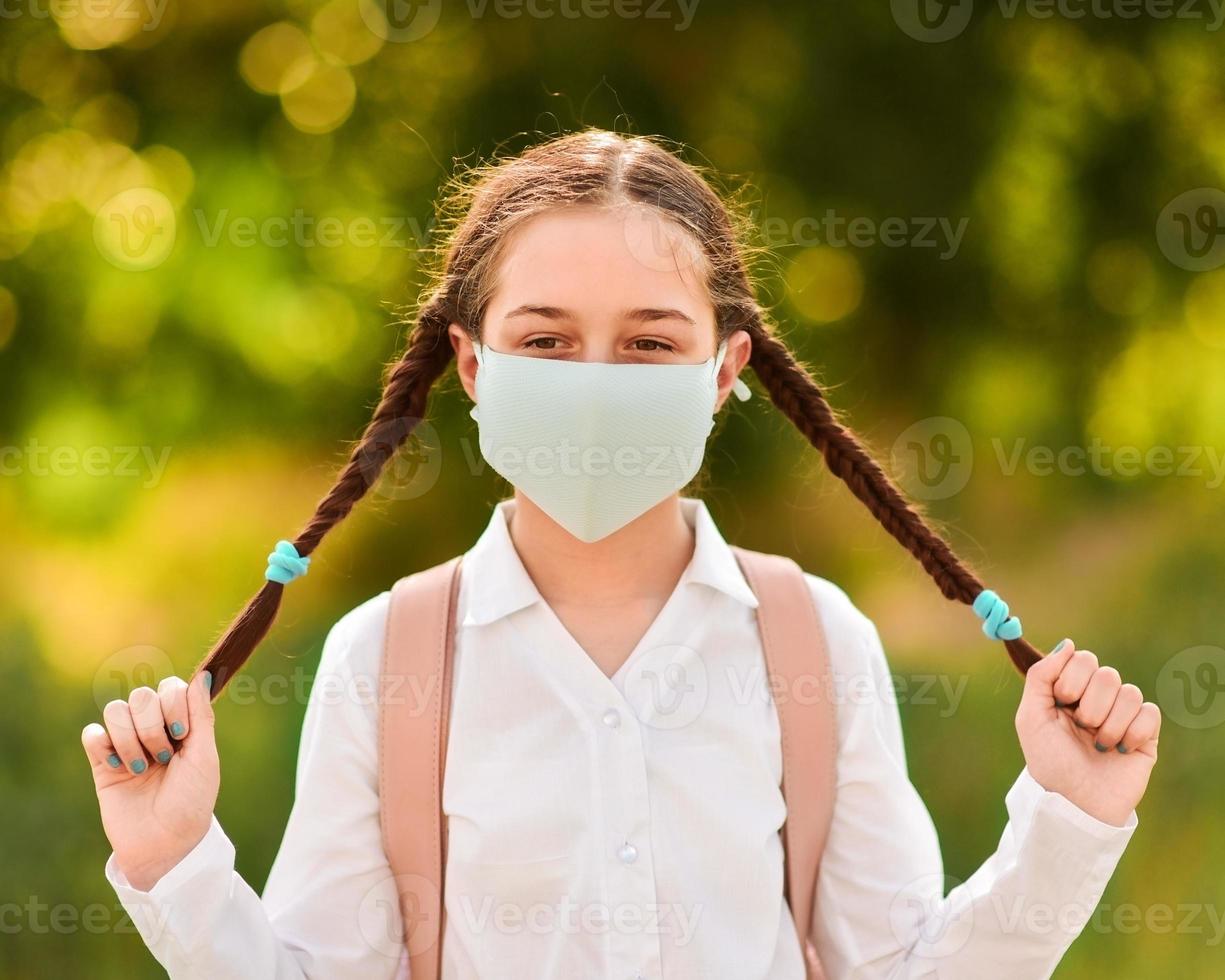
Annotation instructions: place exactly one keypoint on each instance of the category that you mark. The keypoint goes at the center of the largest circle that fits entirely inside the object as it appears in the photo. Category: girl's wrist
(144, 873)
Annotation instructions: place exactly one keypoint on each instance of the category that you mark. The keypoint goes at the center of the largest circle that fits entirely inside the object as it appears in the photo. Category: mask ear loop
(739, 388)
(480, 363)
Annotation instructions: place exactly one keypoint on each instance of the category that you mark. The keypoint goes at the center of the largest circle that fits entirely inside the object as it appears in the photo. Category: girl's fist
(156, 773)
(1086, 735)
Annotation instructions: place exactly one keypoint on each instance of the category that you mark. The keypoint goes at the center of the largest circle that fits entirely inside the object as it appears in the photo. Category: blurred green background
(182, 369)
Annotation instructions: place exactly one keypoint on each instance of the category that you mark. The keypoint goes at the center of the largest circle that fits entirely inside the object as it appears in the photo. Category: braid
(402, 405)
(796, 394)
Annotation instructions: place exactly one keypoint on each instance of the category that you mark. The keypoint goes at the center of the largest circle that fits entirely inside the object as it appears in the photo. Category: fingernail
(176, 729)
(163, 756)
(1059, 645)
(1122, 749)
(138, 766)
(1100, 747)
(208, 679)
(114, 761)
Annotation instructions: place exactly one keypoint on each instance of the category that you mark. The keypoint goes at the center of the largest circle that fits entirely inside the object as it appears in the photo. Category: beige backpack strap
(414, 710)
(797, 662)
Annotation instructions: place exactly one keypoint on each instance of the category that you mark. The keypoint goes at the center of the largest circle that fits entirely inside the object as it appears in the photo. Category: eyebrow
(643, 315)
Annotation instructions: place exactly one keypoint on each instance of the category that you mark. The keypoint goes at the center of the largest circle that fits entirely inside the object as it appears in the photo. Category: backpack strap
(797, 663)
(414, 712)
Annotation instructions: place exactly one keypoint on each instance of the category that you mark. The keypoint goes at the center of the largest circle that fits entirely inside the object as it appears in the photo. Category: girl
(612, 796)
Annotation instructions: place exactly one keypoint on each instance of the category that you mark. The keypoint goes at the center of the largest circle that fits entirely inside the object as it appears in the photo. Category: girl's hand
(1086, 735)
(156, 773)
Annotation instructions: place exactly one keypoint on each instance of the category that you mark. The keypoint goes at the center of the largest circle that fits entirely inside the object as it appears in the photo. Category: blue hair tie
(285, 564)
(993, 611)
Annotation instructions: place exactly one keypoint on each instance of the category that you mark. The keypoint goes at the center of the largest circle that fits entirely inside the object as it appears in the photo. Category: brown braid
(401, 407)
(796, 394)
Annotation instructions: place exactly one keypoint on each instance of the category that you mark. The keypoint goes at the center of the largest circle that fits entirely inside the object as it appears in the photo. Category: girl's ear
(739, 347)
(465, 358)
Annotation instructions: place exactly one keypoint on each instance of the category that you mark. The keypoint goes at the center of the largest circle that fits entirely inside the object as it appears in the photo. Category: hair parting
(477, 216)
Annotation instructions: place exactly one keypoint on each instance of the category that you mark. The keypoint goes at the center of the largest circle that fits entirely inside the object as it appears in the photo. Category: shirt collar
(497, 584)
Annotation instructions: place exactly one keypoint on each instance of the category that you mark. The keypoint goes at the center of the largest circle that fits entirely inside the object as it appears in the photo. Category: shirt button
(611, 718)
(628, 853)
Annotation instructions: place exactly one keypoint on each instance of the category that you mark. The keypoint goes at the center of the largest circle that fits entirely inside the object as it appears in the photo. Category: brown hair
(594, 167)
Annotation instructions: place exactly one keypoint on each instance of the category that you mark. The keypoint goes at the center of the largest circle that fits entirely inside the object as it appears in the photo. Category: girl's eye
(651, 345)
(542, 343)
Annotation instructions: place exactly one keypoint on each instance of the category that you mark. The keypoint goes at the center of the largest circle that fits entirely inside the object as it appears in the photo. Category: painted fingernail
(1100, 747)
(138, 766)
(163, 756)
(176, 729)
(114, 761)
(208, 679)
(1122, 748)
(1059, 646)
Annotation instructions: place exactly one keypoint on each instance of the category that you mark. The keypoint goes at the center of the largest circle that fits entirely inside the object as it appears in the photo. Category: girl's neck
(642, 560)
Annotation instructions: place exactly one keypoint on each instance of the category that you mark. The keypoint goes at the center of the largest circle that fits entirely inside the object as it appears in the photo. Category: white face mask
(595, 445)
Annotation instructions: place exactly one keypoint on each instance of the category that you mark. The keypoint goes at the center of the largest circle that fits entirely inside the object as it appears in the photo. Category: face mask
(595, 445)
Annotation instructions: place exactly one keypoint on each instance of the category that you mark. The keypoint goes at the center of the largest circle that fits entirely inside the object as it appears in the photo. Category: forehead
(580, 256)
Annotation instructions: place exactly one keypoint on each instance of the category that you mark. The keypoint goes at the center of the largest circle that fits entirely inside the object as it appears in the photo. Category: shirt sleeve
(884, 909)
(330, 907)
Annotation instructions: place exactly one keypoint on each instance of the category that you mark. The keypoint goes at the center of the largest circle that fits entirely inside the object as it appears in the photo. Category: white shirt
(628, 826)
